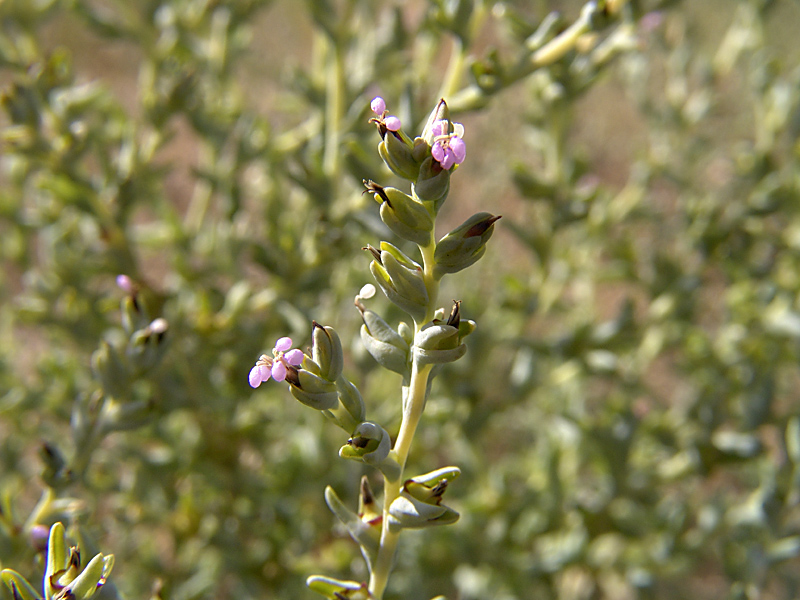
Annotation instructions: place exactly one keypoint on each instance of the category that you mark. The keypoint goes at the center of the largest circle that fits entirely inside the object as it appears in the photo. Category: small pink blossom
(448, 149)
(378, 105)
(275, 367)
(384, 122)
(126, 284)
(392, 123)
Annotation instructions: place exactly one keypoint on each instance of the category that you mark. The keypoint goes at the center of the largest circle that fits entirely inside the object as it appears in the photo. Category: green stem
(414, 405)
(452, 78)
(565, 41)
(473, 96)
(334, 108)
(201, 195)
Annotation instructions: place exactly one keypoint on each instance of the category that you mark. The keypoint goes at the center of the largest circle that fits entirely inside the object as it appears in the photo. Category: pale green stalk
(334, 108)
(452, 79)
(564, 42)
(415, 403)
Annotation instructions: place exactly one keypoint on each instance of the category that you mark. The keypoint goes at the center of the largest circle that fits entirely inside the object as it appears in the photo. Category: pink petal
(294, 357)
(378, 105)
(440, 127)
(449, 160)
(126, 284)
(438, 151)
(278, 371)
(254, 377)
(459, 149)
(283, 344)
(392, 123)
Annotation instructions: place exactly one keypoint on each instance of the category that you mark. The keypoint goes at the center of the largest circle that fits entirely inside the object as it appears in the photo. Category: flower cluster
(447, 148)
(283, 358)
(316, 379)
(378, 106)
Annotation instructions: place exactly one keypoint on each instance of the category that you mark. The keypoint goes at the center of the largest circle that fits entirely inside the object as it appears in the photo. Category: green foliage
(625, 416)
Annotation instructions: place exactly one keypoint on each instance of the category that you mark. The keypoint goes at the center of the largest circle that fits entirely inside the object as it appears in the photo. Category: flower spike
(276, 367)
(384, 122)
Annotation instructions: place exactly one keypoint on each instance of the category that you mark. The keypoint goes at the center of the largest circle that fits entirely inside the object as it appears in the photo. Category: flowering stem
(412, 411)
(383, 565)
(415, 403)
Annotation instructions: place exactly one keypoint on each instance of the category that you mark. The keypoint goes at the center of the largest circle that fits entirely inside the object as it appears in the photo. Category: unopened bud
(440, 113)
(397, 151)
(370, 444)
(405, 216)
(39, 535)
(433, 183)
(310, 389)
(384, 344)
(464, 245)
(338, 589)
(351, 400)
(326, 350)
(419, 503)
(400, 279)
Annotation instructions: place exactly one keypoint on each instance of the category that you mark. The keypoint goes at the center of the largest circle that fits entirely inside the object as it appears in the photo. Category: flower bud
(405, 216)
(370, 444)
(147, 345)
(310, 389)
(338, 589)
(383, 343)
(38, 536)
(419, 504)
(400, 279)
(326, 351)
(351, 400)
(435, 336)
(464, 245)
(63, 578)
(110, 370)
(439, 342)
(56, 472)
(398, 152)
(433, 183)
(91, 579)
(433, 478)
(131, 314)
(424, 356)
(369, 510)
(57, 558)
(440, 113)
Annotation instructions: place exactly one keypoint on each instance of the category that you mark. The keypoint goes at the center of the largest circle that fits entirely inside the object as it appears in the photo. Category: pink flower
(126, 284)
(283, 358)
(448, 149)
(378, 106)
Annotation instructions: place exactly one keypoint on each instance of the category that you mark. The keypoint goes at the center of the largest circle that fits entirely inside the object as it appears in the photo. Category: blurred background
(626, 417)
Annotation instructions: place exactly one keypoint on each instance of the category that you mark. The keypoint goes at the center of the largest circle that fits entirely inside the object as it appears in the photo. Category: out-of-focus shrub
(626, 416)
